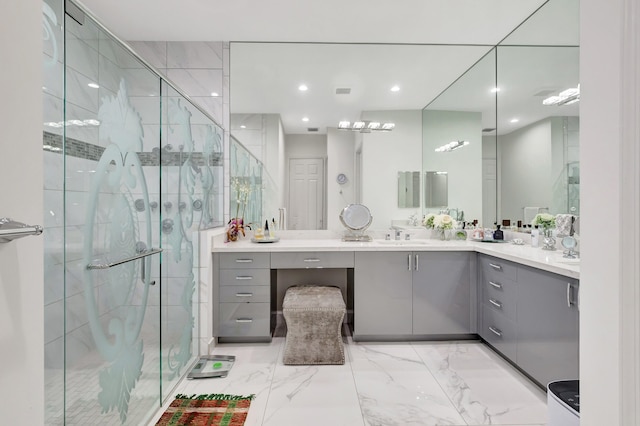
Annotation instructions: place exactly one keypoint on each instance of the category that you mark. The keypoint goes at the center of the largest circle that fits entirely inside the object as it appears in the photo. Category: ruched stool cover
(313, 315)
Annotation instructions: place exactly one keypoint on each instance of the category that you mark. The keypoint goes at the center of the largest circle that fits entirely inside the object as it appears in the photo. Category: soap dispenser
(535, 236)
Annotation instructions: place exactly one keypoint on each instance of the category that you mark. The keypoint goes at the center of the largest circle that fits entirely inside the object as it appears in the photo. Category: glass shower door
(112, 238)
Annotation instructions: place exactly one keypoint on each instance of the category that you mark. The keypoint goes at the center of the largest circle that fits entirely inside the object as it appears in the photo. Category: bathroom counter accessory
(265, 240)
(11, 230)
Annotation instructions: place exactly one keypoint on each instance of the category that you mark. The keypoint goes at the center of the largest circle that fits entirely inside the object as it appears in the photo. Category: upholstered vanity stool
(313, 315)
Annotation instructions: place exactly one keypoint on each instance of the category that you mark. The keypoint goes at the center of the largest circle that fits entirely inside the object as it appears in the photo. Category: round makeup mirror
(356, 218)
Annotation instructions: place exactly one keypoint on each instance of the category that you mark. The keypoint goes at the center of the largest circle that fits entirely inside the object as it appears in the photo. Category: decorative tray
(492, 241)
(266, 240)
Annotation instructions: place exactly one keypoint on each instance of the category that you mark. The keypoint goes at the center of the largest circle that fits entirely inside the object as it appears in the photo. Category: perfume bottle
(498, 234)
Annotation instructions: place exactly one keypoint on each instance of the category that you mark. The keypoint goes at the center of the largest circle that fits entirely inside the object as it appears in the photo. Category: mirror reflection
(507, 150)
(436, 190)
(409, 189)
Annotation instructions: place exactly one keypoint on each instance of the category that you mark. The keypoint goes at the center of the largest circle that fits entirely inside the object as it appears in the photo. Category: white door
(306, 193)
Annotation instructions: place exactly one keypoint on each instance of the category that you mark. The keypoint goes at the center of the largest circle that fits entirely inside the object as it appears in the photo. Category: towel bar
(11, 230)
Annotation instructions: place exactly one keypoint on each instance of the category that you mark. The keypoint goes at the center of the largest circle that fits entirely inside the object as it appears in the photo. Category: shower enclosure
(133, 171)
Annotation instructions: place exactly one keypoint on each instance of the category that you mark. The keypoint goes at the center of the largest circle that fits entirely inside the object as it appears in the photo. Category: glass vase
(548, 242)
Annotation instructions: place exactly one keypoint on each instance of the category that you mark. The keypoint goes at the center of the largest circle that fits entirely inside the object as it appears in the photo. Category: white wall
(464, 165)
(525, 169)
(21, 194)
(609, 283)
(340, 159)
(383, 156)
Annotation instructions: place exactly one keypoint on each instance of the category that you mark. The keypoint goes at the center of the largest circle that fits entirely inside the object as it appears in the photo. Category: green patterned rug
(207, 410)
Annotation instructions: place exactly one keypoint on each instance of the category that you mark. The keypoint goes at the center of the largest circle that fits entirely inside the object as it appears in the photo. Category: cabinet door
(547, 324)
(382, 293)
(442, 293)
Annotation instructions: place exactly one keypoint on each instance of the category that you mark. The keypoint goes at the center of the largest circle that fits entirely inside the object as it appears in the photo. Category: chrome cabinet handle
(409, 267)
(244, 294)
(495, 303)
(417, 263)
(244, 320)
(244, 260)
(312, 260)
(569, 301)
(244, 278)
(495, 331)
(496, 285)
(494, 266)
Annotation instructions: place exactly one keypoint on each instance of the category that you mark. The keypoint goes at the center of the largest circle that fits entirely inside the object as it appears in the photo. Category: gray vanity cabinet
(244, 312)
(383, 294)
(442, 293)
(548, 325)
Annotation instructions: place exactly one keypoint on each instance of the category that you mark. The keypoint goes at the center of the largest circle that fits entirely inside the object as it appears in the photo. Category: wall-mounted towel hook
(11, 230)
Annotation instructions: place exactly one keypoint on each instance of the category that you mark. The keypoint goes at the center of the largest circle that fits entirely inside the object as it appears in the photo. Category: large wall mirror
(507, 150)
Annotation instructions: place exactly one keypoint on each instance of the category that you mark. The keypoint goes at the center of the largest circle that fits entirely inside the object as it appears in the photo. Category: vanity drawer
(501, 295)
(310, 259)
(497, 269)
(245, 277)
(245, 260)
(245, 293)
(245, 320)
(499, 331)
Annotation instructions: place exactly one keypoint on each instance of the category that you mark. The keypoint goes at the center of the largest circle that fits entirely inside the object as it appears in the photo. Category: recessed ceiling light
(215, 94)
(93, 85)
(243, 126)
(305, 119)
(303, 88)
(515, 120)
(495, 89)
(395, 88)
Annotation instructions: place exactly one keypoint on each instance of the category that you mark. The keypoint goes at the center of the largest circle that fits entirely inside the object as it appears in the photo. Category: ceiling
(308, 42)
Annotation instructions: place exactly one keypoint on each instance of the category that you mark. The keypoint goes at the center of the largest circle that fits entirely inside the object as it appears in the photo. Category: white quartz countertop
(297, 241)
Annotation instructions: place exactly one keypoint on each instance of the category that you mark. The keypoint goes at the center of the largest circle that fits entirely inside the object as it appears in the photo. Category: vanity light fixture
(566, 97)
(366, 126)
(451, 146)
(303, 88)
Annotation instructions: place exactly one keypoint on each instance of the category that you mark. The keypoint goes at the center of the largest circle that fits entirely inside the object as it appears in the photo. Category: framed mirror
(436, 190)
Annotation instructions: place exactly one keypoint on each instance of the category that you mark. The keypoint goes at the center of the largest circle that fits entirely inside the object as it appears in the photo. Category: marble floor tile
(313, 395)
(395, 387)
(484, 388)
(380, 384)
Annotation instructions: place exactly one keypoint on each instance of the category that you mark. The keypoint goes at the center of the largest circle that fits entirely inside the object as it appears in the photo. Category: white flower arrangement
(444, 221)
(428, 220)
(439, 221)
(544, 220)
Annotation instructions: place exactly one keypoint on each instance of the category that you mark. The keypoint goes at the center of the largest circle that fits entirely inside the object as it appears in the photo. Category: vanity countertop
(317, 241)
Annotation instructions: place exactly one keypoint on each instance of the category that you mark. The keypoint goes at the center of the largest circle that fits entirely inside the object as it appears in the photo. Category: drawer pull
(495, 303)
(312, 260)
(495, 331)
(244, 320)
(496, 285)
(244, 277)
(494, 266)
(244, 294)
(244, 260)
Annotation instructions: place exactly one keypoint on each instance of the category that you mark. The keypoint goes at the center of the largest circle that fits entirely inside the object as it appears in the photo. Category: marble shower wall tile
(194, 54)
(482, 386)
(154, 52)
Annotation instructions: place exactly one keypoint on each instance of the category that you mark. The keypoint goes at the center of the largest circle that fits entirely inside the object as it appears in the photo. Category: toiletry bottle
(498, 234)
(535, 236)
